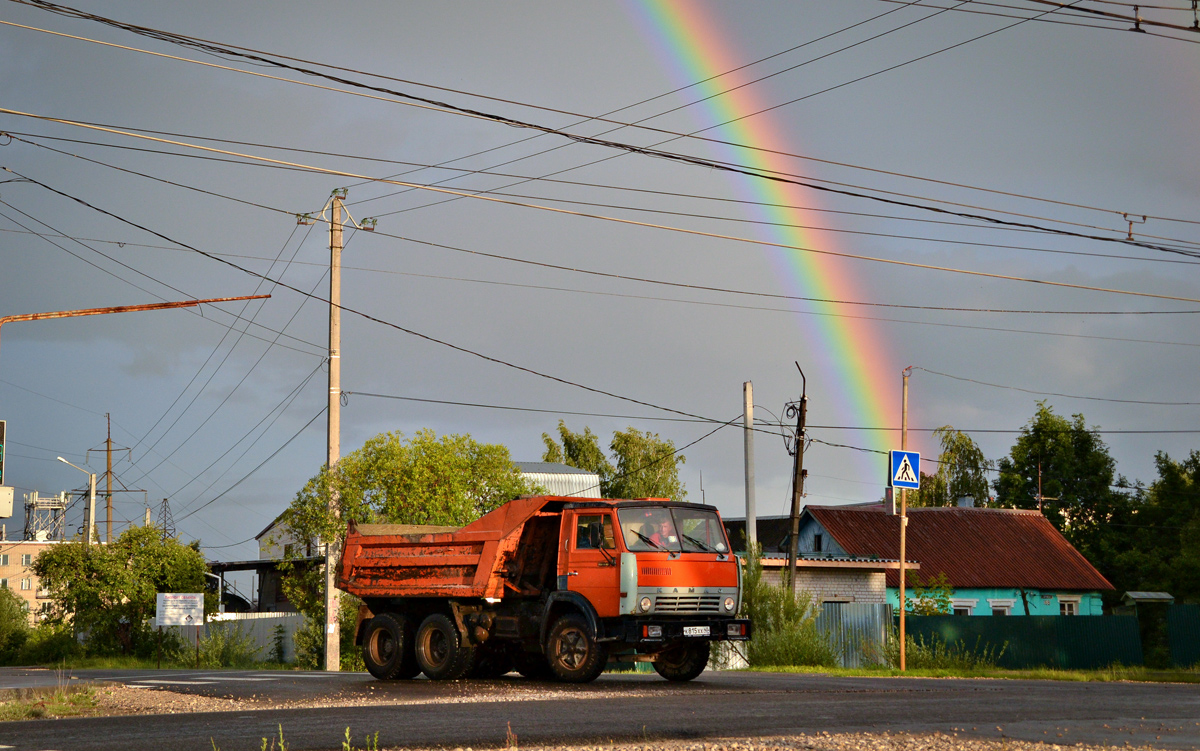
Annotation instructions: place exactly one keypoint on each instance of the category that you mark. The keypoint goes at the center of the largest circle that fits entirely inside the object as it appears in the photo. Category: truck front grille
(687, 604)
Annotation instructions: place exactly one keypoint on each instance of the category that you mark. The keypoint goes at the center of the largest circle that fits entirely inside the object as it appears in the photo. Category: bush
(49, 643)
(225, 645)
(784, 627)
(310, 638)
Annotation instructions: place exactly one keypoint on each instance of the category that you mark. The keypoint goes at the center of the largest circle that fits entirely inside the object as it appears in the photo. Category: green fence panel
(1183, 633)
(1064, 642)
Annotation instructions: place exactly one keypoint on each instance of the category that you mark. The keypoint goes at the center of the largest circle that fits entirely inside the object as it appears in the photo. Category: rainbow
(852, 356)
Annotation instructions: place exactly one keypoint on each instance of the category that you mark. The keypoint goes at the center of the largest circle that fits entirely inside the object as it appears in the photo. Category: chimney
(889, 502)
(966, 501)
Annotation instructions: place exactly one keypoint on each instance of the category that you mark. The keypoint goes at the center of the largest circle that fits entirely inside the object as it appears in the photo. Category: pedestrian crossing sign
(905, 470)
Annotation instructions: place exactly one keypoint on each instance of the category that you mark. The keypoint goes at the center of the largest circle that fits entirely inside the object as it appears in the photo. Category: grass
(119, 662)
(59, 701)
(1104, 675)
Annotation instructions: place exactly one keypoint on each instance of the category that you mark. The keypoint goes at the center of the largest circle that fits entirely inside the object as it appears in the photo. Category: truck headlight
(729, 603)
(644, 605)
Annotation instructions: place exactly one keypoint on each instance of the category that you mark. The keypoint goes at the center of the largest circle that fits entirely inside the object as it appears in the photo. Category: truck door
(592, 557)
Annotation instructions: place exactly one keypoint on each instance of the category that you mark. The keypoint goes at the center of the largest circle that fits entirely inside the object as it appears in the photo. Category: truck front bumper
(661, 630)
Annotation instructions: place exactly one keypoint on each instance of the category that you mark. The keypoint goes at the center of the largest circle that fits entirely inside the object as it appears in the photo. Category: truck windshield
(679, 529)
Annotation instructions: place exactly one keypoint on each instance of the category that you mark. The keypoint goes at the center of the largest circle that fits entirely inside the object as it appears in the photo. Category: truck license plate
(696, 631)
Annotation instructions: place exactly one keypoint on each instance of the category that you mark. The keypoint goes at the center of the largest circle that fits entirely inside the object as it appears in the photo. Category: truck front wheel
(388, 648)
(682, 662)
(440, 650)
(572, 651)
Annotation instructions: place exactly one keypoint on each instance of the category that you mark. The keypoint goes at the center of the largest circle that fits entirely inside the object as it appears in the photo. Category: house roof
(974, 547)
(550, 468)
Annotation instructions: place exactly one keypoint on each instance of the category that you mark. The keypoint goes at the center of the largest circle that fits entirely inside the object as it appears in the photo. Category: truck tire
(440, 650)
(682, 662)
(387, 648)
(572, 650)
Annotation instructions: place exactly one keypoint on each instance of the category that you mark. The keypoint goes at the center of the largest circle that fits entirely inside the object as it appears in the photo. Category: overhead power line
(1054, 393)
(650, 225)
(261, 57)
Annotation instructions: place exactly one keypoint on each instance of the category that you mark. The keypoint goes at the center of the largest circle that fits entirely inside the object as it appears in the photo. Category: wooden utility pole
(801, 412)
(332, 552)
(748, 423)
(108, 480)
(903, 502)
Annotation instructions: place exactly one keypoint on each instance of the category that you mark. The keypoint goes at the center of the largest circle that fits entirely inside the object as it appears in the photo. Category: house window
(1001, 607)
(26, 559)
(26, 584)
(817, 543)
(1068, 605)
(4, 559)
(3, 583)
(964, 610)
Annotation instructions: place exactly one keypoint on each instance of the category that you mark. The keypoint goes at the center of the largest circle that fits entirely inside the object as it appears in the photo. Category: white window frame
(960, 603)
(1075, 600)
(1004, 605)
(3, 583)
(4, 559)
(26, 584)
(26, 559)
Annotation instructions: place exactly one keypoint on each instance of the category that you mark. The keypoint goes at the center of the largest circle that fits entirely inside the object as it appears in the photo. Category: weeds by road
(60, 701)
(1116, 673)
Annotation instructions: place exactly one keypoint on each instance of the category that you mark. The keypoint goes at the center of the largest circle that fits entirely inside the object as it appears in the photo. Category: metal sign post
(904, 472)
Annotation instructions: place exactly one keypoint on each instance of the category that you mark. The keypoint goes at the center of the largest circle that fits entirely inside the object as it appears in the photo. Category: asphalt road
(622, 707)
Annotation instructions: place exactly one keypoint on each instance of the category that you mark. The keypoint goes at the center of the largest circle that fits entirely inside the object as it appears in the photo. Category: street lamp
(91, 511)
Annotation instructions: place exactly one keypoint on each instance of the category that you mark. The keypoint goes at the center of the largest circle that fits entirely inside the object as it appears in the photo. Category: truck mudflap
(658, 631)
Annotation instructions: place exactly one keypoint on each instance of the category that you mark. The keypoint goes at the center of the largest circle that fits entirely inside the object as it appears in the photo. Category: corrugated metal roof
(550, 468)
(974, 547)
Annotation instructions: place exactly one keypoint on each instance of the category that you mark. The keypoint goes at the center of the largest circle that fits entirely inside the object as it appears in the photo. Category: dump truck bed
(399, 560)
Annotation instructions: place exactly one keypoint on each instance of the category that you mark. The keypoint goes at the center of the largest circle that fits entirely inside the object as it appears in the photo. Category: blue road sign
(905, 470)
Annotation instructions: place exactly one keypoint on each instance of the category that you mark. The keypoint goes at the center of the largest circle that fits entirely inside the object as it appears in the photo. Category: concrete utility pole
(108, 481)
(748, 420)
(903, 501)
(801, 412)
(332, 553)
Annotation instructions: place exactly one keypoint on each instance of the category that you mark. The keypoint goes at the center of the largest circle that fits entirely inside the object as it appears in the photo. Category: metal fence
(1064, 642)
(856, 630)
(1183, 635)
(258, 626)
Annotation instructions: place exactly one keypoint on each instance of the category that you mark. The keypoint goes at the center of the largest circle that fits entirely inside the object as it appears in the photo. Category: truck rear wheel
(572, 650)
(388, 648)
(440, 650)
(682, 662)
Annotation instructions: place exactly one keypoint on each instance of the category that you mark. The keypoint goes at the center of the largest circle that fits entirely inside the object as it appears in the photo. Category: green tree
(14, 625)
(643, 465)
(451, 480)
(1163, 553)
(109, 591)
(1079, 474)
(580, 450)
(961, 471)
(931, 597)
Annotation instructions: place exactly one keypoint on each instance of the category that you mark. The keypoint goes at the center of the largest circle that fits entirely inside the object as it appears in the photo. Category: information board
(179, 609)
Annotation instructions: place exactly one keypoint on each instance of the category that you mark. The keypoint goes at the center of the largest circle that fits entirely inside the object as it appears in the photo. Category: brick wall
(840, 585)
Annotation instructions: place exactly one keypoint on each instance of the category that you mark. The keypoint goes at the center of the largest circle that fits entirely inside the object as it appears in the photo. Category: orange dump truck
(548, 586)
